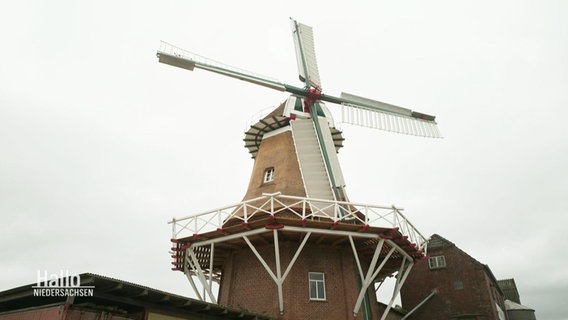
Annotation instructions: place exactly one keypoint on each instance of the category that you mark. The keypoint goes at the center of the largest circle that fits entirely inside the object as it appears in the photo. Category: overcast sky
(101, 145)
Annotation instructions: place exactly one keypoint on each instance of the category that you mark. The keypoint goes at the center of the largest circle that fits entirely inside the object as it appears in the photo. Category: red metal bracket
(312, 96)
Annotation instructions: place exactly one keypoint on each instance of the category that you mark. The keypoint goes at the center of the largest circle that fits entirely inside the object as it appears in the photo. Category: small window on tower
(269, 175)
(317, 286)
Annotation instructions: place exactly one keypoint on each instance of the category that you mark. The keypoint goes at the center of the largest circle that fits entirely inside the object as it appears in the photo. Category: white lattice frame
(192, 267)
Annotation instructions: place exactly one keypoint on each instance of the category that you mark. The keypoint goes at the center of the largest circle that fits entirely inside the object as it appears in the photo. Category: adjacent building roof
(438, 242)
(124, 296)
(510, 305)
(510, 290)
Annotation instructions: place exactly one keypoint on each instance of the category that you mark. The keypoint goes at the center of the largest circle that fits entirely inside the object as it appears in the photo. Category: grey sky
(101, 145)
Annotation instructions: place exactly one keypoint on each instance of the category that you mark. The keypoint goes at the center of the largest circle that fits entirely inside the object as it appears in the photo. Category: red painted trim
(312, 95)
(385, 236)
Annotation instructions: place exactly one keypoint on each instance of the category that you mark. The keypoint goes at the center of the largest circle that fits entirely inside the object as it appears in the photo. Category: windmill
(298, 143)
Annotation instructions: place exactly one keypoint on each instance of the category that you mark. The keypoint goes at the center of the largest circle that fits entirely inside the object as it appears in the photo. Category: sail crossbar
(182, 58)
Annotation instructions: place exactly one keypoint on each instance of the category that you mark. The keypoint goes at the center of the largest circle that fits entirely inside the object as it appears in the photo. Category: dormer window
(437, 262)
(269, 175)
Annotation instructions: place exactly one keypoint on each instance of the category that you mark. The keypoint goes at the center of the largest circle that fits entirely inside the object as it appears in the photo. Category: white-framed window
(437, 262)
(317, 285)
(269, 175)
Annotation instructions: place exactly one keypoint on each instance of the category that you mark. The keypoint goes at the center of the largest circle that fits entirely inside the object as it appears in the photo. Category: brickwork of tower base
(246, 284)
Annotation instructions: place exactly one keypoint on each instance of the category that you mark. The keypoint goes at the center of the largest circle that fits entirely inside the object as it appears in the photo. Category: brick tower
(295, 247)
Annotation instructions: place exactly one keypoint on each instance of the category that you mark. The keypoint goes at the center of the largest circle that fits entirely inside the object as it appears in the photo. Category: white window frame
(318, 284)
(437, 262)
(269, 175)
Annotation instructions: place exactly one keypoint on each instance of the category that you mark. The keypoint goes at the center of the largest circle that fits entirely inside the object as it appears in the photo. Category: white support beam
(201, 275)
(278, 278)
(400, 250)
(374, 260)
(433, 293)
(355, 234)
(211, 256)
(190, 279)
(371, 275)
(278, 272)
(259, 257)
(306, 237)
(400, 279)
(333, 232)
(376, 273)
(230, 237)
(356, 257)
(369, 272)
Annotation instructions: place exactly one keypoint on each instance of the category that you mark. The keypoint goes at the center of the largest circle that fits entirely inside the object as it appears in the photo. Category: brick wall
(463, 287)
(248, 285)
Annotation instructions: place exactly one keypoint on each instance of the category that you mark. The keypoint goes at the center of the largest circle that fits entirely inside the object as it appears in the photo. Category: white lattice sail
(306, 53)
(383, 116)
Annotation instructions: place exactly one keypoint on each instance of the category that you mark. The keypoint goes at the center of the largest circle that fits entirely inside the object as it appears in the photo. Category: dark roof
(438, 242)
(510, 290)
(276, 120)
(126, 296)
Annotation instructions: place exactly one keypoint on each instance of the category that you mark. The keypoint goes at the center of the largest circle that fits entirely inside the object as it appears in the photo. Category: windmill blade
(383, 116)
(181, 58)
(306, 54)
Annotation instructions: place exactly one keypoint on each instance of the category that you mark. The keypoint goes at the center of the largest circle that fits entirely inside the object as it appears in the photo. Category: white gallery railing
(304, 209)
